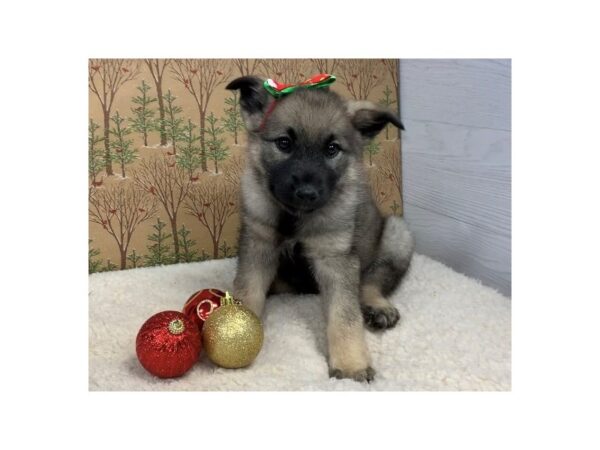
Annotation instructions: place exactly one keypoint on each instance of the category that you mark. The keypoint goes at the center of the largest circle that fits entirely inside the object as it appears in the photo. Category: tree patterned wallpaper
(166, 151)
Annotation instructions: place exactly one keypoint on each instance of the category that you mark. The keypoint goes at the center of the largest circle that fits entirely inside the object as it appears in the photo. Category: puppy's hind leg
(384, 274)
(378, 312)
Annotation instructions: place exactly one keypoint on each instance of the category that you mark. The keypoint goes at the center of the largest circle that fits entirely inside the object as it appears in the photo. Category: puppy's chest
(289, 231)
(294, 232)
(287, 226)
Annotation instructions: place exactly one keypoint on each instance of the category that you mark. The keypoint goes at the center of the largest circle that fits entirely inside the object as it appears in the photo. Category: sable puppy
(308, 221)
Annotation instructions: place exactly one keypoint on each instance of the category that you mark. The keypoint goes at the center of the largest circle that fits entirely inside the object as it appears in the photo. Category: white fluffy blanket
(454, 334)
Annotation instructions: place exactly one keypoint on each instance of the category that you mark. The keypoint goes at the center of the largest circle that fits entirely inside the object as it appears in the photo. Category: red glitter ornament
(168, 344)
(201, 304)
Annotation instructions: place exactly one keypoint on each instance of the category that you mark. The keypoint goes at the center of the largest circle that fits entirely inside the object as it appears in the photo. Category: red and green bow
(278, 90)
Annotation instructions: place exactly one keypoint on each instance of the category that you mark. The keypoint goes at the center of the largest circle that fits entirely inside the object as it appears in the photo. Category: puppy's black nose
(307, 193)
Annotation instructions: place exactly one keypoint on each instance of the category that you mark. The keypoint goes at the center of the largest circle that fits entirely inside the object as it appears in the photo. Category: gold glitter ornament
(232, 335)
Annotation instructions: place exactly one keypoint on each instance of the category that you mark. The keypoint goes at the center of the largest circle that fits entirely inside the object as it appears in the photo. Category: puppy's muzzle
(306, 189)
(307, 194)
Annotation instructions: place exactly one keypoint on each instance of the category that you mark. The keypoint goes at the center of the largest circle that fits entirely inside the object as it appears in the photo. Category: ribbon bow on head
(278, 90)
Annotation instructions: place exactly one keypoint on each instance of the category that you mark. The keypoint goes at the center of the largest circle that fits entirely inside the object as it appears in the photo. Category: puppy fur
(308, 220)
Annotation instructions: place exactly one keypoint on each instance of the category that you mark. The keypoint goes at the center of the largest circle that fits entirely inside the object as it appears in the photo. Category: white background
(45, 46)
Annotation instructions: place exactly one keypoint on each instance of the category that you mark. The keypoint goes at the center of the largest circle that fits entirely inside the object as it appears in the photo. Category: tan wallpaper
(166, 149)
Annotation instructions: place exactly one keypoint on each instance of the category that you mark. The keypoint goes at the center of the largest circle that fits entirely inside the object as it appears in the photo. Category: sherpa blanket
(454, 334)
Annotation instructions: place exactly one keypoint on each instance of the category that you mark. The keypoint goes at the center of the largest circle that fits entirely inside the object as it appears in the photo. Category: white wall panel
(457, 164)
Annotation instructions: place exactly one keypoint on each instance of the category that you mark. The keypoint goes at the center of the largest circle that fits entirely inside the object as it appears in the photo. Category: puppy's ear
(254, 99)
(369, 119)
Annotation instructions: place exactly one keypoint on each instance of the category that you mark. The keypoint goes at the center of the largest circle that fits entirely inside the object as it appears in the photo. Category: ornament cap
(176, 326)
(229, 300)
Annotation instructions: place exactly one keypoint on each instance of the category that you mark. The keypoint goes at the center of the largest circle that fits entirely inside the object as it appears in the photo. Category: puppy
(308, 220)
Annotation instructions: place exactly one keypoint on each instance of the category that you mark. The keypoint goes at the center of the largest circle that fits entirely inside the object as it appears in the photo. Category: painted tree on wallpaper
(378, 187)
(233, 121)
(178, 141)
(391, 67)
(172, 123)
(234, 170)
(216, 150)
(119, 210)
(246, 67)
(94, 264)
(95, 153)
(391, 168)
(189, 156)
(123, 151)
(325, 65)
(159, 251)
(212, 204)
(360, 76)
(387, 101)
(200, 77)
(392, 165)
(134, 259)
(188, 252)
(105, 78)
(170, 185)
(286, 70)
(372, 148)
(143, 115)
(157, 69)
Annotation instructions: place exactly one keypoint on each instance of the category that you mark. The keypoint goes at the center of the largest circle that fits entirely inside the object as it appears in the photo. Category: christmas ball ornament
(232, 335)
(201, 305)
(168, 344)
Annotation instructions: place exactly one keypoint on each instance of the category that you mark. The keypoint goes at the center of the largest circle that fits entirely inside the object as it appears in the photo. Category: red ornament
(168, 344)
(201, 304)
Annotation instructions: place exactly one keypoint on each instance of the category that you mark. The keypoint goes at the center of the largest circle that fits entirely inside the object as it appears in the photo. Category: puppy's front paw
(380, 318)
(362, 375)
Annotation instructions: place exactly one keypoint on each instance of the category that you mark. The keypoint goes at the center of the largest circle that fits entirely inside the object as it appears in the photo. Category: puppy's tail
(393, 257)
(397, 243)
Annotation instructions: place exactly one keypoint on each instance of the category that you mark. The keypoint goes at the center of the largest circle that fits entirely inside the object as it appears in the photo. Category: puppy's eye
(284, 144)
(332, 150)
